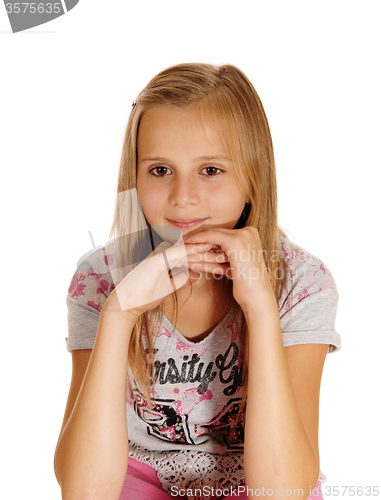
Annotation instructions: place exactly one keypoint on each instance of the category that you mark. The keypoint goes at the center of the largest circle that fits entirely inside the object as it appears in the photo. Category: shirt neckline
(221, 326)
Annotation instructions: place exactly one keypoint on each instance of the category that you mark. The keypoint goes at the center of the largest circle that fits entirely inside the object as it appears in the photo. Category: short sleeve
(88, 291)
(308, 306)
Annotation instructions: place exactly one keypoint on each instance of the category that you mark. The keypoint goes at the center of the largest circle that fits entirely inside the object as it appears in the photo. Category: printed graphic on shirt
(168, 419)
(162, 419)
(226, 366)
(225, 424)
(92, 287)
(308, 275)
(180, 385)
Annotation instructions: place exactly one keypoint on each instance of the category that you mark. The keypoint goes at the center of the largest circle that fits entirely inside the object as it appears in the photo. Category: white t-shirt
(189, 435)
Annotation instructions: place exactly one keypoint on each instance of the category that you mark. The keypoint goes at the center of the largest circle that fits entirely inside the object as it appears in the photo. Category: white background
(66, 92)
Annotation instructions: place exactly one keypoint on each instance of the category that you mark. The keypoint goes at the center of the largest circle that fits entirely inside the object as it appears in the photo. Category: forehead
(178, 128)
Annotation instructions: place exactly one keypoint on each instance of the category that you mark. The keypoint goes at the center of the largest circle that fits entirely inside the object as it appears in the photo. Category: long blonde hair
(227, 95)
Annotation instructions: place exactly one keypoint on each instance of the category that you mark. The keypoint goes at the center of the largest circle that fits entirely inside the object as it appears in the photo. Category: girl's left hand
(245, 266)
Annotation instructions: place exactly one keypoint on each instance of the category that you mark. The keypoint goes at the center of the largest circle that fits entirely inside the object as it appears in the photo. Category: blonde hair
(225, 94)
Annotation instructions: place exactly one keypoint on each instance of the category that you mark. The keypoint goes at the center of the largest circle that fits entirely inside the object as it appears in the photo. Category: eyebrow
(200, 158)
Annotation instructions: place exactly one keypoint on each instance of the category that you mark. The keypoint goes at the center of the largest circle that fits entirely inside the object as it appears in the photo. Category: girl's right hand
(146, 286)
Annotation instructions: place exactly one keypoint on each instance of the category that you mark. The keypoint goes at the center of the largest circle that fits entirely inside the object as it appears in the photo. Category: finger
(208, 257)
(177, 256)
(178, 267)
(211, 268)
(198, 249)
(218, 236)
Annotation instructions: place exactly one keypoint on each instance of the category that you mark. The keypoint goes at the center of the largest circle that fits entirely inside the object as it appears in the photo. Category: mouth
(185, 223)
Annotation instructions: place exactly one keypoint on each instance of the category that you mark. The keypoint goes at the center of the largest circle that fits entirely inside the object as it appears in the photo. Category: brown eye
(212, 171)
(160, 171)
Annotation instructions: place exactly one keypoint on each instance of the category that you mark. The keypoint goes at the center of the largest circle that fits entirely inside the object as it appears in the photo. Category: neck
(206, 288)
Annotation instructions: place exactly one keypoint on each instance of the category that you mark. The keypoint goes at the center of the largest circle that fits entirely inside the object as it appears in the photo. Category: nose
(183, 192)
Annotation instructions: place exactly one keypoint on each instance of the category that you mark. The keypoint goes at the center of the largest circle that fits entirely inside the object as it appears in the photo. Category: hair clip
(134, 104)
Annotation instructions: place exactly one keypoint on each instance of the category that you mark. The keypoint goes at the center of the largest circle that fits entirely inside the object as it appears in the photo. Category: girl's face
(184, 178)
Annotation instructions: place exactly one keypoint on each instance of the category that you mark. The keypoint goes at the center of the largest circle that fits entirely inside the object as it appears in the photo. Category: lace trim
(322, 477)
(193, 470)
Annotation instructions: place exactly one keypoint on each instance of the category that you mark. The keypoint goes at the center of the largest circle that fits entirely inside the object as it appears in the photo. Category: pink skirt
(142, 483)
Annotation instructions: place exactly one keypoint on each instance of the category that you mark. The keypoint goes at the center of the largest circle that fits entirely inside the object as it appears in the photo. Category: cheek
(229, 199)
(150, 200)
(142, 189)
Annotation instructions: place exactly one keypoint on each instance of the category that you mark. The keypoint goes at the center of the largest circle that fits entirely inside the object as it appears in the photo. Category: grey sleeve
(312, 321)
(89, 289)
(83, 323)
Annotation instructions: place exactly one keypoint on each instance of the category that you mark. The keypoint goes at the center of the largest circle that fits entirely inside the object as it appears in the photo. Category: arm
(92, 451)
(305, 363)
(80, 359)
(281, 431)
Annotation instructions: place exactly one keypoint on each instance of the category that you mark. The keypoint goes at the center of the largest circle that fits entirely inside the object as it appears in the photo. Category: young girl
(218, 337)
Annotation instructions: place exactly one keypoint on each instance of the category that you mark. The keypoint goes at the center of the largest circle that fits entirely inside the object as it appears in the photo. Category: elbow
(79, 490)
(300, 484)
(57, 468)
(90, 495)
(82, 479)
(74, 486)
(312, 484)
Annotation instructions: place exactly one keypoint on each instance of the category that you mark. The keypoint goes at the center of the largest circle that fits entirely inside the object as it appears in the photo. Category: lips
(186, 222)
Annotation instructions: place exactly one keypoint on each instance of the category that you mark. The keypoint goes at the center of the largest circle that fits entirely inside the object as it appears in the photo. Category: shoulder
(88, 292)
(309, 300)
(92, 282)
(306, 275)
(301, 263)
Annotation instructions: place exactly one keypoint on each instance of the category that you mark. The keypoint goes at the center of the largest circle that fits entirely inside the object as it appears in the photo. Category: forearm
(278, 452)
(92, 453)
